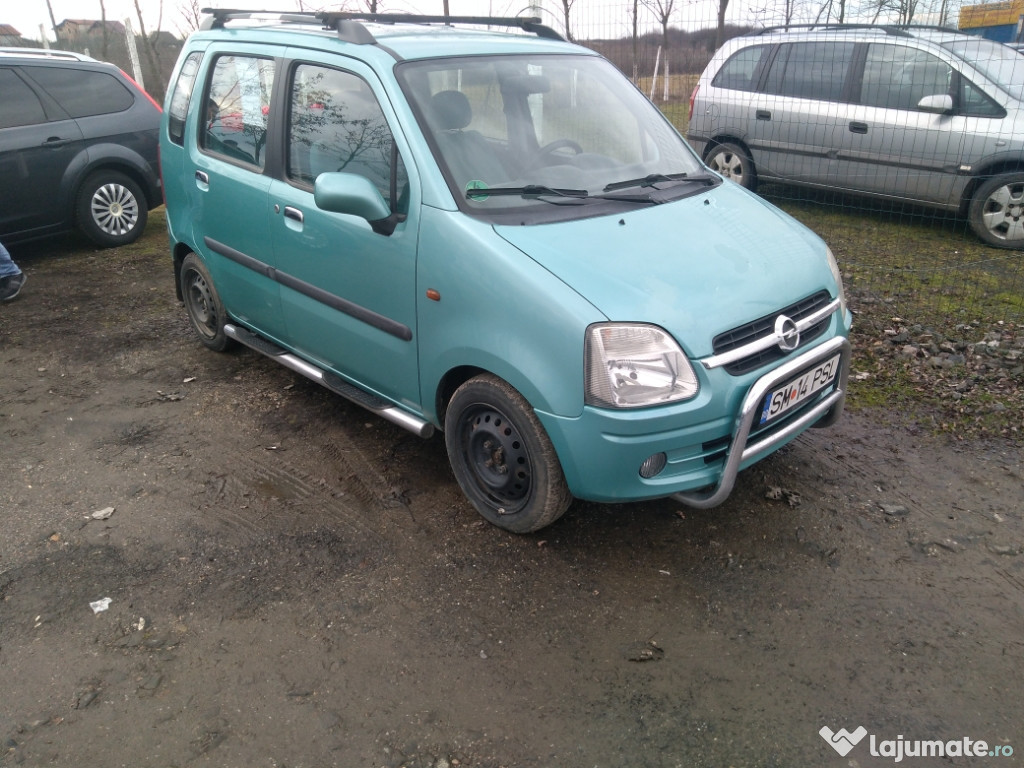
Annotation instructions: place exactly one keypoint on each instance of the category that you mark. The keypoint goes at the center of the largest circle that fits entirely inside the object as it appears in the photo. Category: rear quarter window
(180, 98)
(83, 93)
(741, 70)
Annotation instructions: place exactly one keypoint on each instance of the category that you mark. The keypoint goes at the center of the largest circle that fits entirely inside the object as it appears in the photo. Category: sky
(609, 16)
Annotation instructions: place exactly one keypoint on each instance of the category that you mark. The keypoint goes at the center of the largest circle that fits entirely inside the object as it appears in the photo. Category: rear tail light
(152, 101)
(693, 98)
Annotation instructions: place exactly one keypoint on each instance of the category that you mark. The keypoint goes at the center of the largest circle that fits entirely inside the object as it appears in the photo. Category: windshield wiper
(654, 178)
(529, 190)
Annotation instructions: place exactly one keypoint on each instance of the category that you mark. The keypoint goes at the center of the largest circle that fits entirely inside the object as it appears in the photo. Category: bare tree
(720, 34)
(149, 44)
(191, 17)
(662, 9)
(636, 41)
(105, 46)
(566, 7)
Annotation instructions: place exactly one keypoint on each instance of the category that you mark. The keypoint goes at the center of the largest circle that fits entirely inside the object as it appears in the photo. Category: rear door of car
(229, 167)
(801, 108)
(38, 141)
(348, 292)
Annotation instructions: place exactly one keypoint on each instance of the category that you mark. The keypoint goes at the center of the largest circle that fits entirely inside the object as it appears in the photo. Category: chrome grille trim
(769, 341)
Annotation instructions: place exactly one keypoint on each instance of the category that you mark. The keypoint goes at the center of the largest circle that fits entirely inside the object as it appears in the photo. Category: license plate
(789, 396)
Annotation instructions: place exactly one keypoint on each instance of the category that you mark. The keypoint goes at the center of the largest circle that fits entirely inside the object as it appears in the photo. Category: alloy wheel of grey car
(997, 211)
(112, 209)
(733, 162)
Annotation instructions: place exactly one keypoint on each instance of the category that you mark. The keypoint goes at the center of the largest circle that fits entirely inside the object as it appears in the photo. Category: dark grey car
(78, 148)
(924, 115)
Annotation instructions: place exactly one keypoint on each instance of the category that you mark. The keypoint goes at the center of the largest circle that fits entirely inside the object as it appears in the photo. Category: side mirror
(940, 104)
(351, 194)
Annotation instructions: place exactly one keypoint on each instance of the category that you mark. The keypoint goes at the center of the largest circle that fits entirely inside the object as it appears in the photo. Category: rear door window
(18, 103)
(82, 93)
(815, 71)
(237, 109)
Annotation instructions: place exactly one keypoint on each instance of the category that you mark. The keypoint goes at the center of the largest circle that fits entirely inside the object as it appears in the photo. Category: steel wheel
(502, 457)
(997, 211)
(205, 311)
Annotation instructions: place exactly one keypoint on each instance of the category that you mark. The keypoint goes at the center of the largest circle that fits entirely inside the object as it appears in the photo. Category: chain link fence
(919, 263)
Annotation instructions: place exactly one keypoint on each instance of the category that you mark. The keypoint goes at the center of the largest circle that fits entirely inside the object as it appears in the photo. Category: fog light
(653, 465)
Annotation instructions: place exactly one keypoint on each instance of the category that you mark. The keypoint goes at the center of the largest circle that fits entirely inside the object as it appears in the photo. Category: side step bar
(335, 383)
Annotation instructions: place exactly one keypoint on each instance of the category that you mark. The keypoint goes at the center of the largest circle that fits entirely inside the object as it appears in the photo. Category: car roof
(400, 36)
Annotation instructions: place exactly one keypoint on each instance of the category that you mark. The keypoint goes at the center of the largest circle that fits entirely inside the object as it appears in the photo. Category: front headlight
(834, 266)
(634, 365)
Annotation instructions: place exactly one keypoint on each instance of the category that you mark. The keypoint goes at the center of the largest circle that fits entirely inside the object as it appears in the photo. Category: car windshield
(1000, 63)
(511, 132)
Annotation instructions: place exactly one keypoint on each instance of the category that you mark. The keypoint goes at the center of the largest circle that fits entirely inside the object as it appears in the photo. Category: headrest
(451, 110)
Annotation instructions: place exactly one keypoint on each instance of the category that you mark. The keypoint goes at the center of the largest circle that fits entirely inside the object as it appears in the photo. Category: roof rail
(49, 53)
(896, 30)
(349, 28)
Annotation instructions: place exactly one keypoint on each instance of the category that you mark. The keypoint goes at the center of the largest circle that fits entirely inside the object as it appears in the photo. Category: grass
(921, 280)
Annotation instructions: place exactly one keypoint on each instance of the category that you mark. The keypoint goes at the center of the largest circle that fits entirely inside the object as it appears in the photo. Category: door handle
(858, 127)
(56, 141)
(763, 114)
(293, 213)
(201, 176)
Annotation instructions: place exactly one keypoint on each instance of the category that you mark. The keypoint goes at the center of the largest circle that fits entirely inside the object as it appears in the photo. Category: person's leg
(7, 265)
(11, 278)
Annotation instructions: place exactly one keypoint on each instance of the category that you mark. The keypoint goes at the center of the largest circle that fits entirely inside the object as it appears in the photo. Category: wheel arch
(179, 252)
(992, 168)
(725, 138)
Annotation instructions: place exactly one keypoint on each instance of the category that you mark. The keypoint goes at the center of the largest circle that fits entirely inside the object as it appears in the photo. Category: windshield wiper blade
(529, 190)
(654, 178)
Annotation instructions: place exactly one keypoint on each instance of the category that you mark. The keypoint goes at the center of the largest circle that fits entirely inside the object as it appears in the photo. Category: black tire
(205, 310)
(733, 162)
(996, 213)
(502, 458)
(111, 209)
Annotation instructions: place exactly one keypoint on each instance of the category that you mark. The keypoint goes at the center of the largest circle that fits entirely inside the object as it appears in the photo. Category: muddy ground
(293, 582)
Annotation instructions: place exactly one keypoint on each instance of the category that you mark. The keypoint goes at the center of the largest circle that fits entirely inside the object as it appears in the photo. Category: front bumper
(706, 441)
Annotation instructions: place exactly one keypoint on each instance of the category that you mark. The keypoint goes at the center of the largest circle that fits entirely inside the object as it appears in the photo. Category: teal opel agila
(494, 234)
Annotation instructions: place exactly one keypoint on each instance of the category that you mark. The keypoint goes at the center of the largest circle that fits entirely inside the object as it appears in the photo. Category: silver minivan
(928, 116)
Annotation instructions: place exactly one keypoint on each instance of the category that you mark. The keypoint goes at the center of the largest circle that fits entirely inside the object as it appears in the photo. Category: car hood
(696, 266)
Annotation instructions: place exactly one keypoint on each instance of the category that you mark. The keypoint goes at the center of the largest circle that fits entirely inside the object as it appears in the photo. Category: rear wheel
(502, 458)
(997, 211)
(733, 162)
(205, 311)
(111, 209)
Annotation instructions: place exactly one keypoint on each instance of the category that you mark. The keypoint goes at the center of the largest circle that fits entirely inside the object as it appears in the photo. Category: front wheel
(733, 162)
(205, 311)
(111, 209)
(997, 211)
(503, 458)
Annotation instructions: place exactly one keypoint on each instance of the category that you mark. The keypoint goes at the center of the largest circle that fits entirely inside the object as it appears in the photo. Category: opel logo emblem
(787, 335)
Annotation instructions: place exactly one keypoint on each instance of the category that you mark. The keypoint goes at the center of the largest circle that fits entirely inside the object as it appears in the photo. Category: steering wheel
(554, 146)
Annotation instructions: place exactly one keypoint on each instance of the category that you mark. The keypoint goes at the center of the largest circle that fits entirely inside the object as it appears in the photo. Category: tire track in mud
(256, 493)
